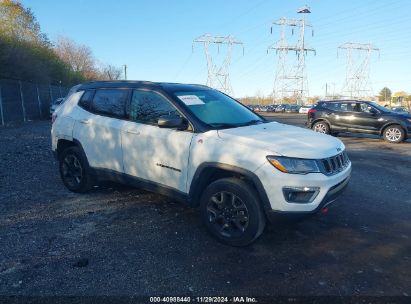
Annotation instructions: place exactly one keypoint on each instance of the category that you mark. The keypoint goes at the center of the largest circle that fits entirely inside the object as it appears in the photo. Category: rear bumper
(329, 198)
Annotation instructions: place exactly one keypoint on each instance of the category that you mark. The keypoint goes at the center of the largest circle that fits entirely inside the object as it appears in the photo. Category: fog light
(300, 195)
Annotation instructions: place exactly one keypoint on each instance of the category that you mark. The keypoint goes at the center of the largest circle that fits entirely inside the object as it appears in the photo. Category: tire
(75, 171)
(394, 134)
(231, 210)
(321, 127)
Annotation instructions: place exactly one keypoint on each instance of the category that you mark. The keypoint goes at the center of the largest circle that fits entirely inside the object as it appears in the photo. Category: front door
(151, 153)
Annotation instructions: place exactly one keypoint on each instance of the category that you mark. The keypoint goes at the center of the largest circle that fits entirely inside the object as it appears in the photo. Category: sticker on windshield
(191, 100)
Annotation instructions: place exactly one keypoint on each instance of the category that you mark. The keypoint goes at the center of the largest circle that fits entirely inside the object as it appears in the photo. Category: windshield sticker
(191, 100)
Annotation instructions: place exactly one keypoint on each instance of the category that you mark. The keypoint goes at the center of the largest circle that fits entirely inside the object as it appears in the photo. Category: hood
(405, 115)
(285, 140)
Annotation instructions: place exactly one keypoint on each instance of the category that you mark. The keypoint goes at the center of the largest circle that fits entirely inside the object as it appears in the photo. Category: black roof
(140, 84)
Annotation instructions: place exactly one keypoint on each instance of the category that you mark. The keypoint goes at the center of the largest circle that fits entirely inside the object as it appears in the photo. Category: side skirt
(123, 178)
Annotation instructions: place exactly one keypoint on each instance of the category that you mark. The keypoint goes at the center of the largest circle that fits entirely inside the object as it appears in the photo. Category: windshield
(217, 109)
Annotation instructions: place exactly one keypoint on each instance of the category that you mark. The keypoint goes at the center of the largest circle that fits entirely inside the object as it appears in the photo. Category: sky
(154, 38)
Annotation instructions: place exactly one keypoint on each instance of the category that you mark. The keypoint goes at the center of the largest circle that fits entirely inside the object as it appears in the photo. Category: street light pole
(125, 72)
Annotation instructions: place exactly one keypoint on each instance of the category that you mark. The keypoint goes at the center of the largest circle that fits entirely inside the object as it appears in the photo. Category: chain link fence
(23, 101)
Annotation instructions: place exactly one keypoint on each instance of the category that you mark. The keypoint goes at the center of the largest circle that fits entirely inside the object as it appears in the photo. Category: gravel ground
(118, 240)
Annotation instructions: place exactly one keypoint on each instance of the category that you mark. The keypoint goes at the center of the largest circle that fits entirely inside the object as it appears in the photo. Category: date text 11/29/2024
(203, 300)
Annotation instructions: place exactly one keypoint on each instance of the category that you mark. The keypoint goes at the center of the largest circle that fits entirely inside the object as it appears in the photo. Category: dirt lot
(123, 241)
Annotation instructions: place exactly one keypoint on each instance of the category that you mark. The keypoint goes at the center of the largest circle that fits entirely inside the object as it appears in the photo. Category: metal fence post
(39, 100)
(22, 100)
(1, 109)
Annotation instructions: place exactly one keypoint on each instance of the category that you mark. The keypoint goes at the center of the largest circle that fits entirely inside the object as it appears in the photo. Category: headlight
(409, 119)
(294, 165)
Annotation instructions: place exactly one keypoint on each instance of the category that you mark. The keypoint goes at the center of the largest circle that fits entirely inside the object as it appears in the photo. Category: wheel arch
(63, 144)
(320, 119)
(392, 123)
(209, 172)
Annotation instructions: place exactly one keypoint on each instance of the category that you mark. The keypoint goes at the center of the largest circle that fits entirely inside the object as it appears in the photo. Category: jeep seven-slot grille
(333, 165)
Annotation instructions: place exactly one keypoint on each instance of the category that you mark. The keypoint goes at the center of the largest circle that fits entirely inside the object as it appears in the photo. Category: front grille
(335, 164)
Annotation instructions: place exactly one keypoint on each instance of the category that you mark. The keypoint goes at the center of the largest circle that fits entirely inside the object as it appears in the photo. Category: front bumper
(331, 196)
(273, 181)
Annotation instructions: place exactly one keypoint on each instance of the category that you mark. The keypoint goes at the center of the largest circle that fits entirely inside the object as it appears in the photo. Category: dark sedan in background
(358, 116)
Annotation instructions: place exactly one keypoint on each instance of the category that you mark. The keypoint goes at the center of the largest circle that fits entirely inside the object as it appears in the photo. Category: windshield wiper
(223, 125)
(252, 122)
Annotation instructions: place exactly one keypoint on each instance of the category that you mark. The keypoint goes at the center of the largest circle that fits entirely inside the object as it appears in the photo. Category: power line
(357, 80)
(218, 75)
(291, 80)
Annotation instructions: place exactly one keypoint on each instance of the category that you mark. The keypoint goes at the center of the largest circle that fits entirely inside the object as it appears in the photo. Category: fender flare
(203, 172)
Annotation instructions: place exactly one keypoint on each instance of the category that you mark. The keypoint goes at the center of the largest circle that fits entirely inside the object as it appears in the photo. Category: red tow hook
(324, 210)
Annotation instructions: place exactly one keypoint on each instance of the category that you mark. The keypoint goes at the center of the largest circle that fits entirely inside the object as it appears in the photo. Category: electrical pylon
(219, 74)
(357, 79)
(291, 79)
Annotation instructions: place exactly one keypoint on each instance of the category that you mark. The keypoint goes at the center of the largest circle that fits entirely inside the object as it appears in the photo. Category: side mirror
(172, 122)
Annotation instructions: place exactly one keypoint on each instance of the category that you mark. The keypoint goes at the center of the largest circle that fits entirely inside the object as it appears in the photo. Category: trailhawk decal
(168, 167)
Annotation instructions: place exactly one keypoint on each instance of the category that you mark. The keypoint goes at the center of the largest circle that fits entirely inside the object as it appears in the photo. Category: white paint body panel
(147, 149)
(137, 149)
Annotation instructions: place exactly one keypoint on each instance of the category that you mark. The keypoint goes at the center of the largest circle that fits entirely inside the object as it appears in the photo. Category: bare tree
(111, 72)
(79, 57)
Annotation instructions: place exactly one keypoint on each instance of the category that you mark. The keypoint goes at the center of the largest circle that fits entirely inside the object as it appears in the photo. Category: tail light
(53, 118)
(312, 111)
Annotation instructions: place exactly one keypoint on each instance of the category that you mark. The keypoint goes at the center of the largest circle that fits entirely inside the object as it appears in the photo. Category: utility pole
(326, 90)
(125, 72)
(357, 78)
(291, 80)
(218, 74)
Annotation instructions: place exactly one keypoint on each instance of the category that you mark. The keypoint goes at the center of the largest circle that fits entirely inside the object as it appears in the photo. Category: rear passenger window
(148, 107)
(110, 102)
(86, 100)
(333, 106)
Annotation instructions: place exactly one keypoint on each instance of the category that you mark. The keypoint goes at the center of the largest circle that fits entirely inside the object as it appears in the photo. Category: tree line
(26, 53)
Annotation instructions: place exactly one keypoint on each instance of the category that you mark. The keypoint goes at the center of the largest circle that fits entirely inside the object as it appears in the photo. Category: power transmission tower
(357, 79)
(218, 74)
(291, 79)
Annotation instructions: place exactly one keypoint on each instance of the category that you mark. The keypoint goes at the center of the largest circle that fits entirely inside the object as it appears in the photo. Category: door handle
(133, 132)
(85, 121)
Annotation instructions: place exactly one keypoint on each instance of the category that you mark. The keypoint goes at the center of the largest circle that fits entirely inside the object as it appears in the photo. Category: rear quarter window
(110, 102)
(86, 100)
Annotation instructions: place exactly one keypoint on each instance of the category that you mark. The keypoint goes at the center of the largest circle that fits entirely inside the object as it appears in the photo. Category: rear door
(151, 153)
(99, 127)
(334, 112)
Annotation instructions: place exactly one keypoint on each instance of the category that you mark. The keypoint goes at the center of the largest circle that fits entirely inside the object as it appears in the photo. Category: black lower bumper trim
(330, 197)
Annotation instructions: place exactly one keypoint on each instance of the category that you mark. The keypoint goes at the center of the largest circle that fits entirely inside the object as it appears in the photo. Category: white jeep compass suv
(200, 146)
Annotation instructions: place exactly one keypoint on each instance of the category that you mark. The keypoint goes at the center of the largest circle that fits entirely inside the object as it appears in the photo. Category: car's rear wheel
(321, 127)
(394, 134)
(74, 170)
(231, 210)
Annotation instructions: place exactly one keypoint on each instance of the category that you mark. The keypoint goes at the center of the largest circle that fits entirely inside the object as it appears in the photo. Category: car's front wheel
(394, 134)
(231, 210)
(74, 170)
(321, 127)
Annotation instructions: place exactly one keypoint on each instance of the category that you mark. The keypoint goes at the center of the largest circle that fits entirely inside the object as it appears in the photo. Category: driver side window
(147, 107)
(365, 108)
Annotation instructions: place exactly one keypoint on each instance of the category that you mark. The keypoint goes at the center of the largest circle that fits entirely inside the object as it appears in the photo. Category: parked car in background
(55, 104)
(304, 109)
(358, 116)
(282, 108)
(293, 109)
(198, 146)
